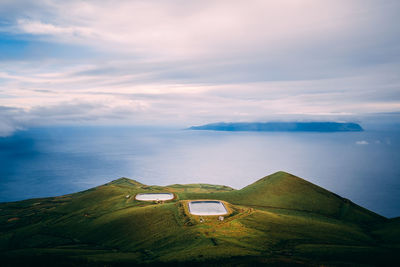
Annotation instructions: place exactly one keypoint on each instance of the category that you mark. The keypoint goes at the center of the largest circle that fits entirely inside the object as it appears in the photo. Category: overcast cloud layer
(192, 62)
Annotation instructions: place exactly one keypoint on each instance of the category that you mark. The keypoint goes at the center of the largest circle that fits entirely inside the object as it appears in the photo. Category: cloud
(9, 120)
(222, 29)
(37, 27)
(7, 128)
(362, 142)
(115, 89)
(195, 62)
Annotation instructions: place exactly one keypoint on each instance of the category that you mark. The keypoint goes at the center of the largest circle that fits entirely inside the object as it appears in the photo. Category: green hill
(286, 191)
(280, 220)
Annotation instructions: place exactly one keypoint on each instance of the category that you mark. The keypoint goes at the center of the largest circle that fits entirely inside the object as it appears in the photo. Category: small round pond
(207, 207)
(154, 196)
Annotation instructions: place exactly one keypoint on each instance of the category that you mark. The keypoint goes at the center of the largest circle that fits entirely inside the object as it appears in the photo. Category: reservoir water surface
(154, 196)
(207, 207)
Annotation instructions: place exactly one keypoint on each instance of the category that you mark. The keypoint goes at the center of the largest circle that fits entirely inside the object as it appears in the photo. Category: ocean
(49, 161)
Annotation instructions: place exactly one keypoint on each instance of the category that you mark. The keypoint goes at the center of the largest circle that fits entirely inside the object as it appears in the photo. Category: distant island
(281, 127)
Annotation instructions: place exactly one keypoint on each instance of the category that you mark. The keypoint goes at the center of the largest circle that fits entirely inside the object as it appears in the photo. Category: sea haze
(361, 166)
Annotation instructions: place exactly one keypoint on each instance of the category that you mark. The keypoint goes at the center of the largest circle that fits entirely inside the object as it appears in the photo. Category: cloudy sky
(193, 62)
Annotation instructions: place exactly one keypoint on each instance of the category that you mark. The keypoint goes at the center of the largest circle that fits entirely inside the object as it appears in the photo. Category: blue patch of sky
(12, 48)
(24, 47)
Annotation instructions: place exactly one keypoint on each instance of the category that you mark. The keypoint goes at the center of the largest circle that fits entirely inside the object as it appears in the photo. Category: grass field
(279, 220)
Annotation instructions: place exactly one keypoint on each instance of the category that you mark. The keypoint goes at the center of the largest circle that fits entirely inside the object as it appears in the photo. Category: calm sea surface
(361, 166)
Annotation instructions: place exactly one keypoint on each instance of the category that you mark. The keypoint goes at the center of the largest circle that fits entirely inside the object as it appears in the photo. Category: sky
(193, 62)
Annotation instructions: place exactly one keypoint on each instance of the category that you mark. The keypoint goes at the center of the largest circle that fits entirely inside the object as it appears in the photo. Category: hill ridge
(124, 180)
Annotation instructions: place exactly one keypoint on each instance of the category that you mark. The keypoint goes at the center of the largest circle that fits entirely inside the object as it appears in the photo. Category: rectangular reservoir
(154, 196)
(207, 207)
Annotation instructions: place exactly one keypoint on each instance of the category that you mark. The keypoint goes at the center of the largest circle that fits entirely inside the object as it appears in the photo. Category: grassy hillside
(280, 219)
